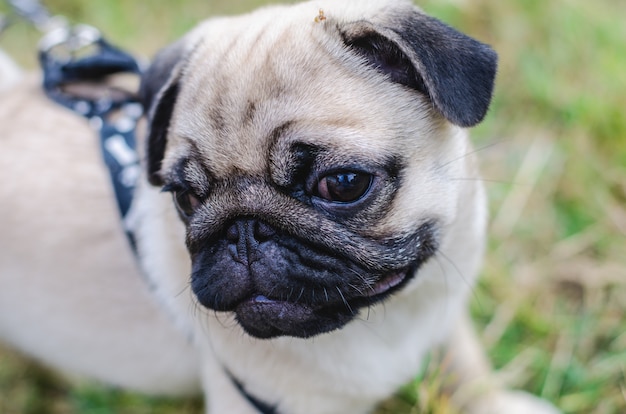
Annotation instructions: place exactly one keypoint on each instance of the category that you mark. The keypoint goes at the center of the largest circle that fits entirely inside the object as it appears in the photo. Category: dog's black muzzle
(279, 284)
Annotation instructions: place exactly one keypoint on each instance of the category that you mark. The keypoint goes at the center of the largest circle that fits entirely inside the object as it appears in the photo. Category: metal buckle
(65, 42)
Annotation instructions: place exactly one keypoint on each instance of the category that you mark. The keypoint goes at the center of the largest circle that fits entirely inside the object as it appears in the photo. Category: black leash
(76, 61)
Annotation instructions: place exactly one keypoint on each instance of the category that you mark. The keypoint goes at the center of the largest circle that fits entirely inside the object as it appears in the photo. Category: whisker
(460, 273)
(300, 295)
(271, 292)
(445, 278)
(368, 283)
(182, 290)
(359, 291)
(474, 151)
(344, 300)
(484, 180)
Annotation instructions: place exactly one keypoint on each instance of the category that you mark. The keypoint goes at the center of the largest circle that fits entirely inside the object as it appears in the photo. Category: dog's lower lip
(265, 317)
(387, 283)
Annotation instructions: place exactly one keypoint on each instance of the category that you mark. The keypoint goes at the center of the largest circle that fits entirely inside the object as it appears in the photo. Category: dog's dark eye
(186, 202)
(344, 187)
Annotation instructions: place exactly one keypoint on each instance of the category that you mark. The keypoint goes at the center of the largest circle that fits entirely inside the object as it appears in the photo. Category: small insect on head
(320, 17)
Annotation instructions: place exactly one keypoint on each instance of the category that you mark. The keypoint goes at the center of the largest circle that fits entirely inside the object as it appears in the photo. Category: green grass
(551, 303)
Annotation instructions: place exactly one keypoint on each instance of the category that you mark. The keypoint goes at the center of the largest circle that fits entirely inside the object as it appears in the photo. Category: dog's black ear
(158, 92)
(455, 71)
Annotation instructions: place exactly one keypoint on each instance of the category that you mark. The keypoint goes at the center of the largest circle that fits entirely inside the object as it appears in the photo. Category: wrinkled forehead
(271, 54)
(249, 76)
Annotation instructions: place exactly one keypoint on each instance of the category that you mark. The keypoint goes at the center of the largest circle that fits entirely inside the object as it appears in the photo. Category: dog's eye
(186, 202)
(344, 187)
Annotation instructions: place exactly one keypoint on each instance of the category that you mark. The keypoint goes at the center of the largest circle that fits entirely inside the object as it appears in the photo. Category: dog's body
(72, 293)
(324, 189)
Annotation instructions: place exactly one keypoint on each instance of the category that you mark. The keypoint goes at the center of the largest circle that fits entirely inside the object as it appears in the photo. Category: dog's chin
(266, 318)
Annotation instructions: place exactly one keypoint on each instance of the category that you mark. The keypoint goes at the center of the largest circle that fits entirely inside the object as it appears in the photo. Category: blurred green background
(551, 302)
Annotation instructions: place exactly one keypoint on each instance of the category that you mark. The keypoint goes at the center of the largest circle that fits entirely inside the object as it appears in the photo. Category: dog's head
(306, 151)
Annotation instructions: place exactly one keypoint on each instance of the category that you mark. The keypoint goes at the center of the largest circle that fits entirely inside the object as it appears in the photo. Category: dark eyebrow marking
(189, 173)
(278, 132)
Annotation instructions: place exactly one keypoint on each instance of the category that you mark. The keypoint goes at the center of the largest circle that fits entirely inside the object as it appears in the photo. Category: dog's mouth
(387, 283)
(282, 285)
(264, 317)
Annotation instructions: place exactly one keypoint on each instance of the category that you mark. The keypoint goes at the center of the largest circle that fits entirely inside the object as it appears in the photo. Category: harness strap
(114, 113)
(261, 406)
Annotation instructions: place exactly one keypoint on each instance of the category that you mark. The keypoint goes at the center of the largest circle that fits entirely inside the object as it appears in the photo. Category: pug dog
(308, 227)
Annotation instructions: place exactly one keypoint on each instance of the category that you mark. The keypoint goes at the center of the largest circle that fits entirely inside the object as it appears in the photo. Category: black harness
(71, 56)
(112, 112)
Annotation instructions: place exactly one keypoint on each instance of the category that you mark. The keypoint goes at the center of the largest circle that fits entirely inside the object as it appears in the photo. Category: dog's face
(309, 153)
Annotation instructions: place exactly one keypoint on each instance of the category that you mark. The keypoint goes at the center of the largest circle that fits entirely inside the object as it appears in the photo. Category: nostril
(232, 234)
(263, 231)
(248, 233)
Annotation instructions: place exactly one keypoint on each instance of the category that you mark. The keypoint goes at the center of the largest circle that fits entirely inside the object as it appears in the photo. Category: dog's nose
(246, 235)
